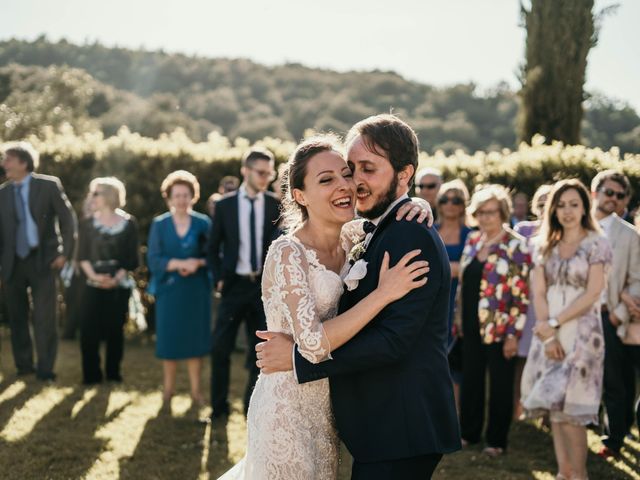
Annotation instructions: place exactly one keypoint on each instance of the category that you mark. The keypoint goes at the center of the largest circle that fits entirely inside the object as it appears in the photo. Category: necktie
(22, 243)
(368, 226)
(252, 228)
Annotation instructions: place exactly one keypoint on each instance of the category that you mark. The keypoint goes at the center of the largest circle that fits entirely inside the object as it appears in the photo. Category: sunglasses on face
(611, 193)
(427, 186)
(453, 200)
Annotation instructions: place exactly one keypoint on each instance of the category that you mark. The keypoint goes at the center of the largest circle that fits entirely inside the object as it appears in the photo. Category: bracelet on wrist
(549, 340)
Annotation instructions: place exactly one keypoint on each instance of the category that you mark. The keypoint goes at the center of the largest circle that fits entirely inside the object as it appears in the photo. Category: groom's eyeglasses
(453, 200)
(609, 192)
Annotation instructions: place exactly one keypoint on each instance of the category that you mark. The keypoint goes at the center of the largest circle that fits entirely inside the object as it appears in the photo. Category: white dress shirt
(244, 213)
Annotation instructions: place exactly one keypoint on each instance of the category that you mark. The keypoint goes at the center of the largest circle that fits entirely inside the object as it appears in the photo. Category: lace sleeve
(287, 285)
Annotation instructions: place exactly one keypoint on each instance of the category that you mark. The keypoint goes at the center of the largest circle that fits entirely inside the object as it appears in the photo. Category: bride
(290, 425)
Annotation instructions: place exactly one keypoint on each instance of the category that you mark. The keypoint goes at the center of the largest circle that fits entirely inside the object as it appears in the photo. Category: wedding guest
(493, 291)
(37, 237)
(520, 208)
(528, 229)
(453, 230)
(428, 182)
(608, 189)
(563, 374)
(228, 184)
(107, 253)
(243, 228)
(180, 282)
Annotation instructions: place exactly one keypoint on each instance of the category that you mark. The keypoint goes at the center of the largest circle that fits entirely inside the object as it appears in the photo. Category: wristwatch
(553, 322)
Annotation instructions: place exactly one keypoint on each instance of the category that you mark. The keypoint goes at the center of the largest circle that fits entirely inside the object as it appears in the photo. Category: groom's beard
(383, 203)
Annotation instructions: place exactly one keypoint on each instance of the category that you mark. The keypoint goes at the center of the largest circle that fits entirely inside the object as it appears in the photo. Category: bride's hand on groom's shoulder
(404, 276)
(419, 207)
(276, 353)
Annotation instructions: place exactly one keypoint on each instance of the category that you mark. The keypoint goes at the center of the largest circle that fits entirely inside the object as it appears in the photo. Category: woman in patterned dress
(493, 305)
(563, 373)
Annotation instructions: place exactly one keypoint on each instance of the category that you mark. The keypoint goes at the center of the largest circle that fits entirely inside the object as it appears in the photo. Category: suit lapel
(9, 193)
(234, 219)
(615, 232)
(34, 193)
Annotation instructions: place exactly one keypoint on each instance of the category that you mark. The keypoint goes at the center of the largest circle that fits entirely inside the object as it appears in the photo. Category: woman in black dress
(107, 253)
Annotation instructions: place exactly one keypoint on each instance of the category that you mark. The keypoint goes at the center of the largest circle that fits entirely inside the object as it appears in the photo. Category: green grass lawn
(66, 431)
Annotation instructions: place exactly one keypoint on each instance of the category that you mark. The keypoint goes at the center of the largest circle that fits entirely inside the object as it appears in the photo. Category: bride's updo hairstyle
(294, 214)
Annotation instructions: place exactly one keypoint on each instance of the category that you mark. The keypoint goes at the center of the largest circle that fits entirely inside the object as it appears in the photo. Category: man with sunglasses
(243, 227)
(428, 183)
(609, 188)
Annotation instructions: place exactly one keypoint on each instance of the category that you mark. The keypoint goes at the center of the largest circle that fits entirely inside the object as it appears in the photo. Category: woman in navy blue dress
(452, 200)
(181, 284)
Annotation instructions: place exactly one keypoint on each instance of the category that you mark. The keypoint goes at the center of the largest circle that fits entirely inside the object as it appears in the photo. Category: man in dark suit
(391, 391)
(37, 236)
(243, 227)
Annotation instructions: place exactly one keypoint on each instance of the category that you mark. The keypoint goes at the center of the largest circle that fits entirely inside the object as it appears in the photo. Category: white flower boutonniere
(358, 268)
(357, 272)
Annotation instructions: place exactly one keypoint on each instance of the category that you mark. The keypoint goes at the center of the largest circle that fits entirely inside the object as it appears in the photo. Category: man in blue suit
(391, 391)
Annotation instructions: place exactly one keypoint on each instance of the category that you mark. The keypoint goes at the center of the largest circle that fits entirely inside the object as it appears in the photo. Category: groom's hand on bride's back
(276, 354)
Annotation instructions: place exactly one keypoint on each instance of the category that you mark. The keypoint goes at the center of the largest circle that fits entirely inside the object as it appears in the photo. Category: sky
(439, 42)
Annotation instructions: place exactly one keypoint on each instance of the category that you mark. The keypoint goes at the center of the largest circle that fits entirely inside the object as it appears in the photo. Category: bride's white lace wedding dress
(291, 434)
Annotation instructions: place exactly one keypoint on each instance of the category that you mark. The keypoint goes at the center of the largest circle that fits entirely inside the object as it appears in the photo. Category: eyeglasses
(488, 213)
(265, 173)
(453, 200)
(611, 193)
(427, 186)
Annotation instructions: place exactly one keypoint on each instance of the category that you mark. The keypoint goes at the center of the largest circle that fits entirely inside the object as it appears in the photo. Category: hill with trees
(93, 87)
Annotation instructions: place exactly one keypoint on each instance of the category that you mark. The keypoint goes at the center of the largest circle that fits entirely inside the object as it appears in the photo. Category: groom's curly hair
(293, 214)
(389, 136)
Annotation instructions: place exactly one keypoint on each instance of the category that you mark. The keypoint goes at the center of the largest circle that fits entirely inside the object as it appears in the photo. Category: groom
(391, 390)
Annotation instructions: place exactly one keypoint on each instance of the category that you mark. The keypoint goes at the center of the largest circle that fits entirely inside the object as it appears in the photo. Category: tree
(559, 37)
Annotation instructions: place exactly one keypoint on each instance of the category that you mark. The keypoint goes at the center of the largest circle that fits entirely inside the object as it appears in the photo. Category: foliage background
(93, 87)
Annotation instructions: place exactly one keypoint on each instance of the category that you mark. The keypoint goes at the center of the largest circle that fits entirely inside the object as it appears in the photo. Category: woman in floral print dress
(563, 373)
(493, 291)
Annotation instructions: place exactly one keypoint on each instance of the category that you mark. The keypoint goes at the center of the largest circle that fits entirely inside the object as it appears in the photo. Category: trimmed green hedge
(142, 163)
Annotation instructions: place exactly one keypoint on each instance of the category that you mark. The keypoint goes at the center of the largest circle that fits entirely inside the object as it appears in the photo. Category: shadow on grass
(170, 447)
(530, 450)
(59, 445)
(218, 461)
(8, 407)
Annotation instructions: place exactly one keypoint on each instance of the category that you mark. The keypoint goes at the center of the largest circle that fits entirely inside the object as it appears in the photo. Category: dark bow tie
(368, 226)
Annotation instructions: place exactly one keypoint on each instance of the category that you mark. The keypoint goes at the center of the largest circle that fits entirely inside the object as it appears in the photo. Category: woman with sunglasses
(453, 230)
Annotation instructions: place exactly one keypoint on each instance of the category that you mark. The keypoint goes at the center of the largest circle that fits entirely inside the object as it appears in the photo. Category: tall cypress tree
(559, 37)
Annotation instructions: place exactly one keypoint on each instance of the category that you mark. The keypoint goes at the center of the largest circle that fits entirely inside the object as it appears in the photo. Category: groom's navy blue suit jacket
(391, 389)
